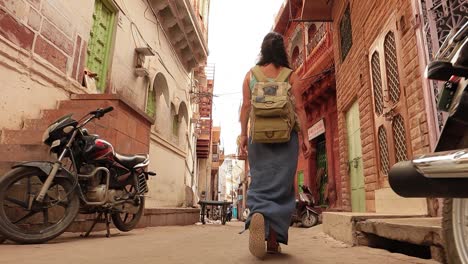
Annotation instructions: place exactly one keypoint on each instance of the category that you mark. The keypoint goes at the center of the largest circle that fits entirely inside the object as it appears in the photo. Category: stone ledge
(157, 211)
(342, 225)
(420, 231)
(114, 97)
(151, 217)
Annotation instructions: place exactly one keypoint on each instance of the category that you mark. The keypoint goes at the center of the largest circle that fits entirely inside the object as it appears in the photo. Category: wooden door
(358, 193)
(100, 42)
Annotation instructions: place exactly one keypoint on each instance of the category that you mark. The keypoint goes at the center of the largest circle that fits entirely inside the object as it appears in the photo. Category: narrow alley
(211, 243)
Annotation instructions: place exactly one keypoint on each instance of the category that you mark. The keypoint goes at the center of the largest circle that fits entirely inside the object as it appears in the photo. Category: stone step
(27, 137)
(87, 105)
(19, 153)
(49, 116)
(35, 124)
(419, 231)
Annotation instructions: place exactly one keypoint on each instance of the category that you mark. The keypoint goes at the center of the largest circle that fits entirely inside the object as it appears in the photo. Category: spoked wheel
(23, 219)
(129, 214)
(455, 230)
(309, 219)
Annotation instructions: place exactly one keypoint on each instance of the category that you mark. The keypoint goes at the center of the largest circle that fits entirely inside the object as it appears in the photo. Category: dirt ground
(193, 244)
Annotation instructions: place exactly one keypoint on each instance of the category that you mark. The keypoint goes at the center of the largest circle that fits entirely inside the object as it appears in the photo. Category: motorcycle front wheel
(455, 230)
(27, 221)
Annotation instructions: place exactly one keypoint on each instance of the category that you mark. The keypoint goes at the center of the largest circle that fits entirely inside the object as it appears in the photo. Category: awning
(317, 10)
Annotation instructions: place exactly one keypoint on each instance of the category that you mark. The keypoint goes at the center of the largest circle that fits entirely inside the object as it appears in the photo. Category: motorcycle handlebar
(107, 110)
(101, 112)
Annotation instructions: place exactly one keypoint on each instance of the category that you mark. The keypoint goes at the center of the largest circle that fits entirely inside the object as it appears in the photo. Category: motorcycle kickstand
(108, 221)
(93, 225)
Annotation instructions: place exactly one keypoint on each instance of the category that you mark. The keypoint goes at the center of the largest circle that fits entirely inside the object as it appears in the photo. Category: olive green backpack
(272, 116)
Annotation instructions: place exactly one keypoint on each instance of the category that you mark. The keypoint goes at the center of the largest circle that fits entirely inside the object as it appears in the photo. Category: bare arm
(299, 104)
(297, 85)
(245, 111)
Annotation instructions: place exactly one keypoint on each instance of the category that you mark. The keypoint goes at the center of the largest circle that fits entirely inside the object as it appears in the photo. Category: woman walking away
(273, 111)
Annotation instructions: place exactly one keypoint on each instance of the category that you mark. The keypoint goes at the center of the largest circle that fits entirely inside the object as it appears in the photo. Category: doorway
(355, 164)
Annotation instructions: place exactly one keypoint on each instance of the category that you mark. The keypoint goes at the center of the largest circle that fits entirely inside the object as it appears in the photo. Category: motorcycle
(39, 200)
(444, 173)
(306, 213)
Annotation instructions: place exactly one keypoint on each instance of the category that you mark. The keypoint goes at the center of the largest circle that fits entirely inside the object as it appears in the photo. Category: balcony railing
(298, 61)
(317, 44)
(318, 37)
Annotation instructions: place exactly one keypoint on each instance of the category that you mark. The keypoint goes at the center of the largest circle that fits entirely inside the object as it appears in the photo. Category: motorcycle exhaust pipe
(443, 174)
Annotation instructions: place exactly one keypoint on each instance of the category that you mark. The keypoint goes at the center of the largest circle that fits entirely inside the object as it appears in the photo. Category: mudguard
(312, 210)
(46, 167)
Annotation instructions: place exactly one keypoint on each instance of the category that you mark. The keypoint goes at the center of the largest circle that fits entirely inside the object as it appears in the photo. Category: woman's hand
(306, 149)
(243, 144)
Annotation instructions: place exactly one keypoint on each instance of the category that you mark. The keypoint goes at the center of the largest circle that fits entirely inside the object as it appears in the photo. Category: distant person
(271, 196)
(229, 213)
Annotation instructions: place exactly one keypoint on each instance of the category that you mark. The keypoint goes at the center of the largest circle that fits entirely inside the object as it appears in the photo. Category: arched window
(151, 102)
(183, 124)
(175, 119)
(311, 32)
(155, 92)
(295, 55)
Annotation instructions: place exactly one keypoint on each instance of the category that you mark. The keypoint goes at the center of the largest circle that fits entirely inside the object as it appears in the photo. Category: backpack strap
(283, 75)
(258, 74)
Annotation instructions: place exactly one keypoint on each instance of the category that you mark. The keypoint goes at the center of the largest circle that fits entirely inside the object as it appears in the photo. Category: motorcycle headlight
(45, 136)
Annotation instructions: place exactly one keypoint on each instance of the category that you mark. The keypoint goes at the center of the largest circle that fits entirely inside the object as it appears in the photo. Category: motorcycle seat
(130, 161)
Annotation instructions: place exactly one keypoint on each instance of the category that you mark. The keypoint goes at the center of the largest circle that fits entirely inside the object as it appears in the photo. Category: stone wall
(43, 45)
(368, 18)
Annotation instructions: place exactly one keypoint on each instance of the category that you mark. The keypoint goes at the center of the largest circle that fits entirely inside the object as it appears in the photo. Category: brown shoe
(274, 250)
(257, 236)
(273, 247)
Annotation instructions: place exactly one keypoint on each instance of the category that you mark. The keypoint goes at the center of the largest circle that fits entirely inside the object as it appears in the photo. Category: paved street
(193, 244)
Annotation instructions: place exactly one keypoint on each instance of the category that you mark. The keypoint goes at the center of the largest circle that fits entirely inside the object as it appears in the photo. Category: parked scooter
(306, 213)
(445, 173)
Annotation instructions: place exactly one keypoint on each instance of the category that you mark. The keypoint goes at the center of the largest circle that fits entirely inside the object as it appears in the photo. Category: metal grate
(439, 17)
(391, 64)
(346, 33)
(377, 83)
(142, 187)
(383, 149)
(399, 138)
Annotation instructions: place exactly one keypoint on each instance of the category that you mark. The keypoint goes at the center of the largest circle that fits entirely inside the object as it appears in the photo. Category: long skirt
(271, 191)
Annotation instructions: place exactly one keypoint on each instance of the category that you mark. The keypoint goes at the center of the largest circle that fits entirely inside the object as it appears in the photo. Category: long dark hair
(273, 51)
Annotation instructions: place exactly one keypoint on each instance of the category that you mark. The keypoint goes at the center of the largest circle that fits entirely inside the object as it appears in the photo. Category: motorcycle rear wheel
(455, 230)
(125, 222)
(26, 221)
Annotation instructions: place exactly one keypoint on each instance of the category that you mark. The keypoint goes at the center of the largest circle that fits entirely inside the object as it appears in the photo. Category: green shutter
(151, 103)
(356, 171)
(100, 42)
(322, 164)
(175, 125)
(300, 180)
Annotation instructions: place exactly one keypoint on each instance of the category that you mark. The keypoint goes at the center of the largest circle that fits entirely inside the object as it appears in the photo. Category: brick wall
(38, 27)
(368, 18)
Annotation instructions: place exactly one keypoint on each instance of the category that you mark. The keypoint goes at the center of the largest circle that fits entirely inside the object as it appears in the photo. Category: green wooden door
(100, 42)
(358, 193)
(322, 164)
(300, 180)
